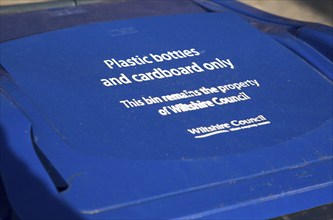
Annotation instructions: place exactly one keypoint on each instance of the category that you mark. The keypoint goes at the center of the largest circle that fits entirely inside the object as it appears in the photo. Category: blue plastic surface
(124, 159)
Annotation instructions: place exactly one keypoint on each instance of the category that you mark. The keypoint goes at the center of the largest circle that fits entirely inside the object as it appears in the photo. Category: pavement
(319, 11)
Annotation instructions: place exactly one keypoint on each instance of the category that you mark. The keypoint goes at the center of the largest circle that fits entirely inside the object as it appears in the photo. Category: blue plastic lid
(139, 117)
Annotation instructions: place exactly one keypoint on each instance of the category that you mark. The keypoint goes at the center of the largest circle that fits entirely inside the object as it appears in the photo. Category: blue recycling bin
(188, 110)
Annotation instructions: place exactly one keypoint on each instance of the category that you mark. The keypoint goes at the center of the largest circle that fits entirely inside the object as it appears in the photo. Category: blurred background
(319, 11)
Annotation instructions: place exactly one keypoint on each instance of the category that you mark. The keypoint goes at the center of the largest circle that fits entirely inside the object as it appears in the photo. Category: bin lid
(181, 116)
